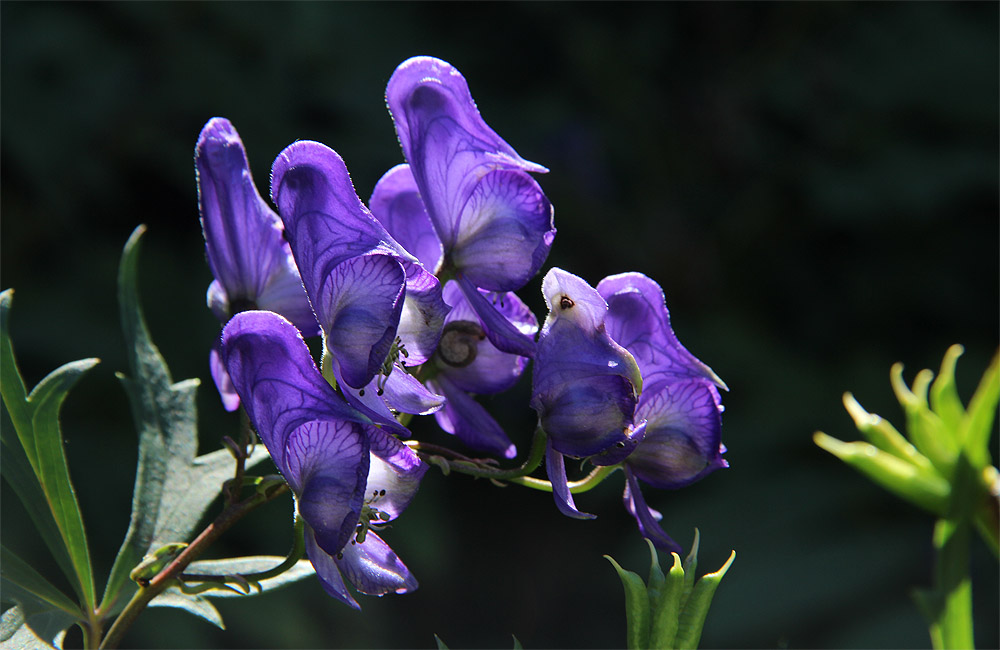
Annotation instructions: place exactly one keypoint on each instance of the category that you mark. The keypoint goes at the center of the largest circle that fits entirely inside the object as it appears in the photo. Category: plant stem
(478, 469)
(589, 482)
(168, 576)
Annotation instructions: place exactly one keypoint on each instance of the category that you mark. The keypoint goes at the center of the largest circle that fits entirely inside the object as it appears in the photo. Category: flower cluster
(413, 295)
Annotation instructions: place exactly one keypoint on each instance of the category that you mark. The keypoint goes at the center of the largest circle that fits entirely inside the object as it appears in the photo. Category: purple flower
(251, 262)
(467, 362)
(581, 391)
(470, 208)
(377, 305)
(348, 476)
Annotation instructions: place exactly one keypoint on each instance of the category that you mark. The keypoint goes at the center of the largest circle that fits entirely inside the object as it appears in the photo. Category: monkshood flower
(473, 211)
(348, 476)
(251, 261)
(377, 305)
(467, 362)
(613, 383)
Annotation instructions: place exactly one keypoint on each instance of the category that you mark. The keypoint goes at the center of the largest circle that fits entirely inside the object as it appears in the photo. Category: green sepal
(944, 399)
(925, 488)
(883, 435)
(637, 613)
(35, 418)
(692, 617)
(977, 425)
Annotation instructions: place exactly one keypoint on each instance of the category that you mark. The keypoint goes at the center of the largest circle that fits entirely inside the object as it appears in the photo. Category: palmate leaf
(173, 487)
(49, 498)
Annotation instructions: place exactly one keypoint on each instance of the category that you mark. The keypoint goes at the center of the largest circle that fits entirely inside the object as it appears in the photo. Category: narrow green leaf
(637, 614)
(517, 643)
(173, 488)
(15, 396)
(191, 603)
(39, 630)
(978, 423)
(17, 471)
(440, 643)
(944, 399)
(926, 429)
(692, 619)
(666, 612)
(925, 489)
(47, 399)
(251, 564)
(690, 566)
(883, 435)
(21, 583)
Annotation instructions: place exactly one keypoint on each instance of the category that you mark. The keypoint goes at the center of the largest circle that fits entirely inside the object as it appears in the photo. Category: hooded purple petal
(351, 267)
(249, 258)
(683, 434)
(467, 420)
(223, 382)
(275, 376)
(470, 361)
(585, 385)
(423, 315)
(396, 203)
(326, 467)
(645, 516)
(374, 569)
(472, 183)
(639, 321)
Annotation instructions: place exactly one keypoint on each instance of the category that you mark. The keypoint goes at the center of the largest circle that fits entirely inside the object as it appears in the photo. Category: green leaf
(22, 584)
(666, 610)
(883, 435)
(24, 630)
(36, 419)
(440, 643)
(692, 618)
(978, 423)
(637, 614)
(251, 564)
(926, 429)
(191, 603)
(173, 487)
(944, 397)
(517, 643)
(690, 566)
(17, 471)
(926, 489)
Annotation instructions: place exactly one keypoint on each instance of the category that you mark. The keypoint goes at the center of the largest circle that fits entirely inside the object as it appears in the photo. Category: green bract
(669, 609)
(942, 466)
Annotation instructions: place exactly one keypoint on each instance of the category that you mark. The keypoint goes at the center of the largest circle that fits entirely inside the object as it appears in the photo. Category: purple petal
(248, 256)
(449, 146)
(634, 435)
(646, 516)
(396, 203)
(374, 569)
(501, 332)
(466, 419)
(327, 571)
(584, 385)
(401, 392)
(371, 404)
(326, 467)
(329, 229)
(423, 315)
(276, 378)
(490, 370)
(555, 468)
(360, 305)
(395, 474)
(504, 231)
(223, 382)
(683, 434)
(638, 320)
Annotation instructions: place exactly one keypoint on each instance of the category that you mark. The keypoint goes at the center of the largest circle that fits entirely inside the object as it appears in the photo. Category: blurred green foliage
(813, 184)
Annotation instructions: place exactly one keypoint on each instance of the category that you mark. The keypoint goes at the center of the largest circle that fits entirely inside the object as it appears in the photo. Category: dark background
(814, 185)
